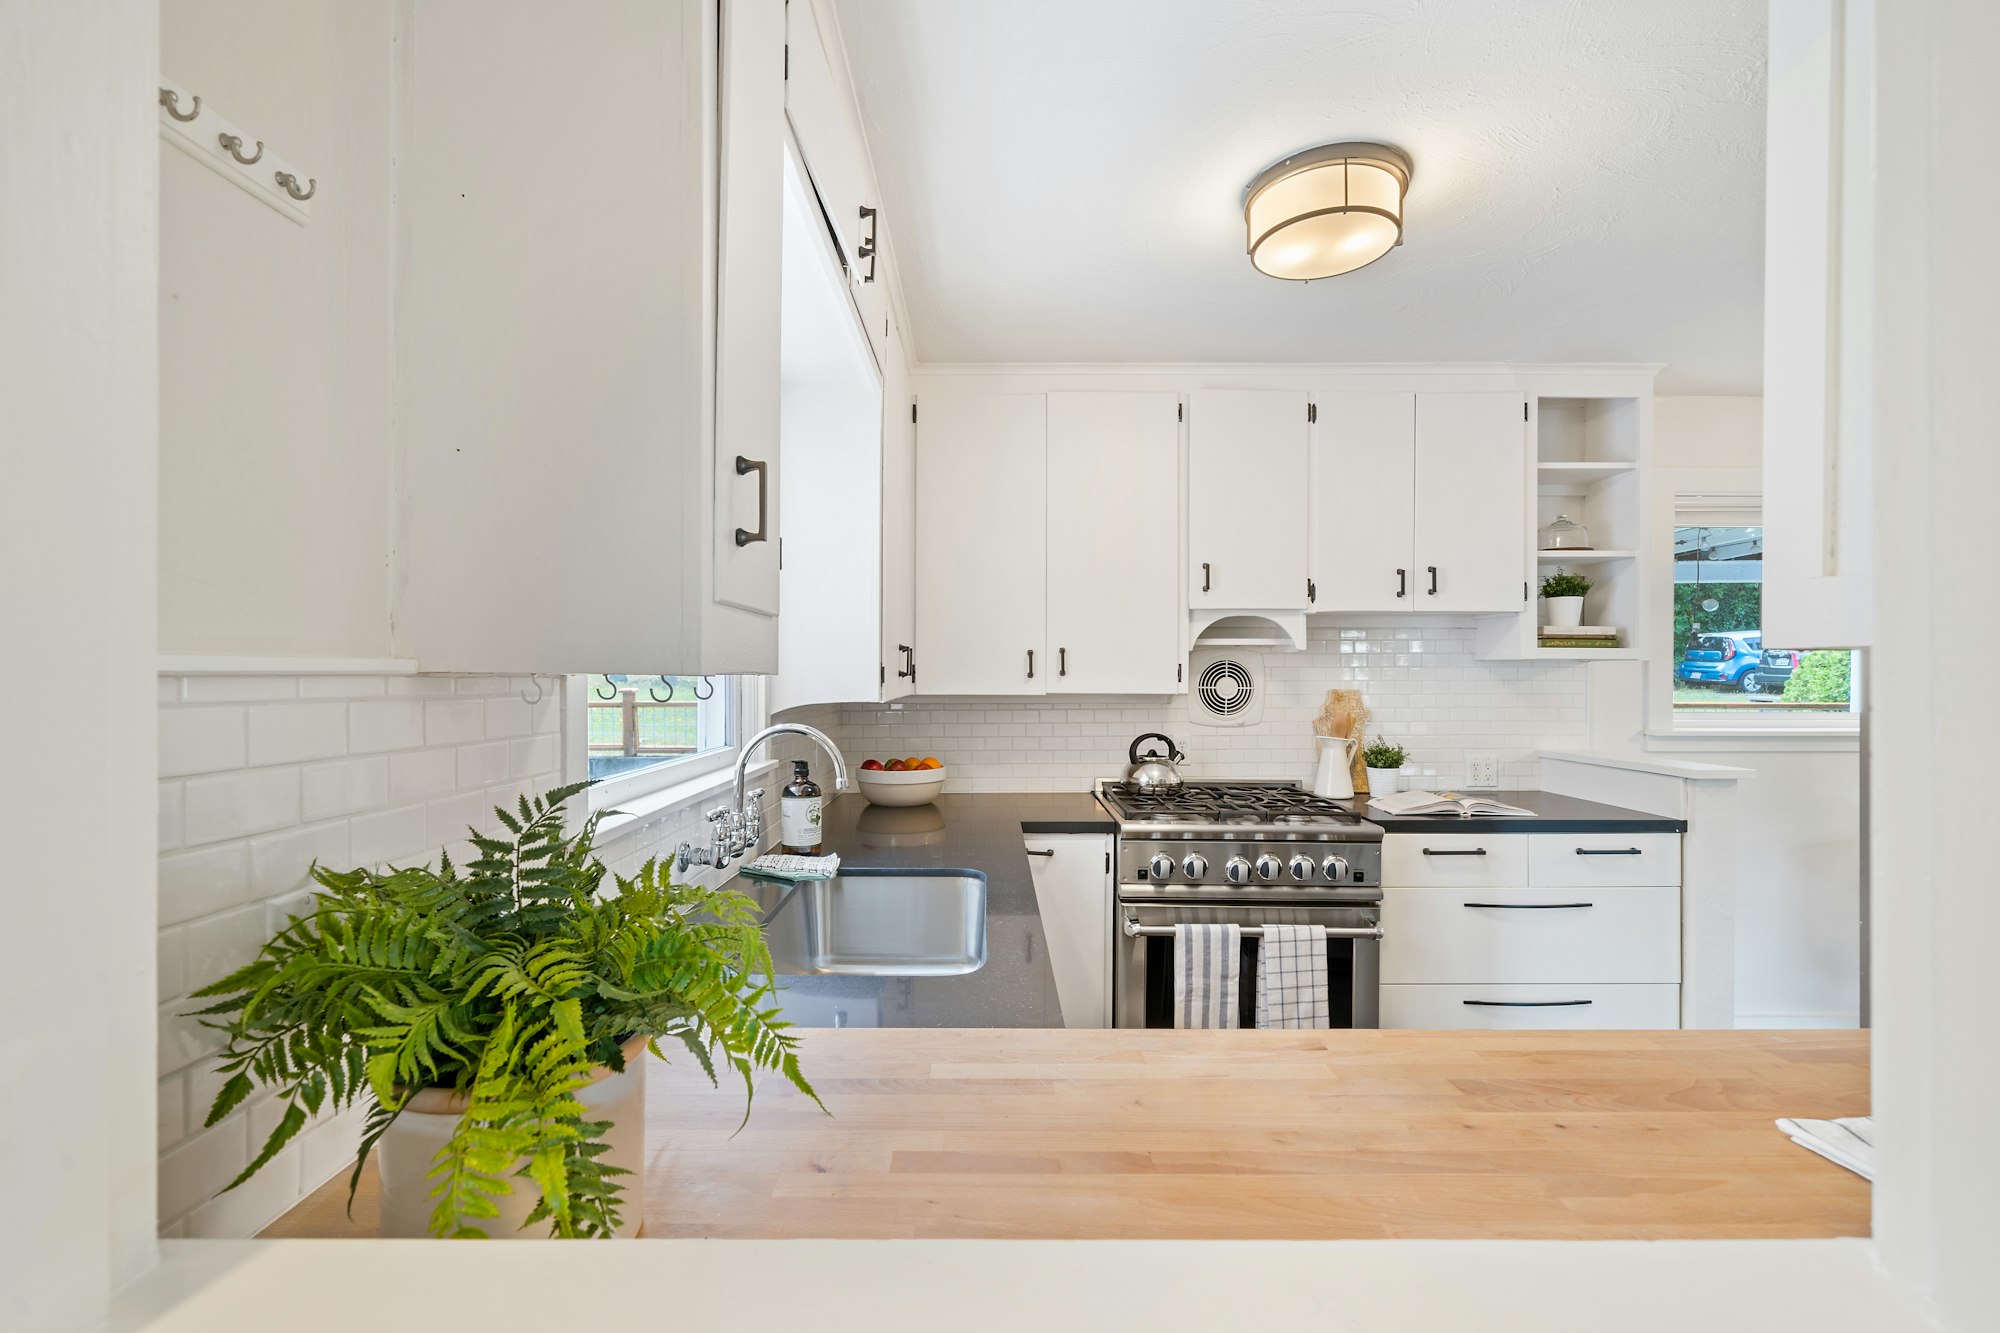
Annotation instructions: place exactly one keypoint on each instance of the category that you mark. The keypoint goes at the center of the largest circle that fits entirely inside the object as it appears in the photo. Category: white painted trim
(1693, 741)
(1672, 768)
(220, 664)
(629, 816)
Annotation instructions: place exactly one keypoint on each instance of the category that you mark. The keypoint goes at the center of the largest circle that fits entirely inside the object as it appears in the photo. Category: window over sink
(647, 732)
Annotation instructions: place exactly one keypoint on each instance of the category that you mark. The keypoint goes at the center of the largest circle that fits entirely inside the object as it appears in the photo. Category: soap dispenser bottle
(799, 810)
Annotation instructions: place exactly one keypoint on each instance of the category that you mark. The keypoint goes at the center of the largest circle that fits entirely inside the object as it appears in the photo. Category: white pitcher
(1334, 777)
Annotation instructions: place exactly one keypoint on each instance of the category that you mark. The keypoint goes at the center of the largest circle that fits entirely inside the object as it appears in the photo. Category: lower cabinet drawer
(1603, 858)
(1594, 935)
(1531, 1007)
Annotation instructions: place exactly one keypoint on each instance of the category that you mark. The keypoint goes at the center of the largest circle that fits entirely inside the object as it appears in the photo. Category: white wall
(275, 439)
(78, 425)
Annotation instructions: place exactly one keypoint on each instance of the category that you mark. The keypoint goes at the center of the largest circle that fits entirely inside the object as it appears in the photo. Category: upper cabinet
(1248, 510)
(1471, 502)
(981, 548)
(1364, 469)
(897, 673)
(1115, 614)
(586, 337)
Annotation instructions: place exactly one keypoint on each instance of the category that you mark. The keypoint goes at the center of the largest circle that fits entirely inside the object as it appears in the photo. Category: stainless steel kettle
(1154, 772)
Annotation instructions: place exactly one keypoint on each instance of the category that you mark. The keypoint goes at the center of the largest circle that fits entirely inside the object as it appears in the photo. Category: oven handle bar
(1133, 928)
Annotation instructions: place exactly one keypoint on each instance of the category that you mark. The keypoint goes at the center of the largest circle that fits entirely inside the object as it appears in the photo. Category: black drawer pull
(1456, 851)
(1531, 907)
(1608, 851)
(1526, 1004)
(1033, 852)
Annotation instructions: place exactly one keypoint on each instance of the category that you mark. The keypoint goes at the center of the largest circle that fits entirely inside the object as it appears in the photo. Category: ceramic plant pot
(405, 1153)
(1565, 612)
(1383, 781)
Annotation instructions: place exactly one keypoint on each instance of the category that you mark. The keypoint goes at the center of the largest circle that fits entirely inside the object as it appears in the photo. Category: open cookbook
(1444, 803)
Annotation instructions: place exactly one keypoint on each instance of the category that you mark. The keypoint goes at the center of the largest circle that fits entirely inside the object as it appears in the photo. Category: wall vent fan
(1226, 688)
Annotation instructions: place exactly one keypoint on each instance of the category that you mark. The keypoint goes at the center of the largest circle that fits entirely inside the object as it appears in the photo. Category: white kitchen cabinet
(1472, 502)
(1532, 1008)
(1248, 499)
(982, 544)
(1364, 468)
(897, 671)
(574, 389)
(1520, 935)
(1072, 875)
(1114, 593)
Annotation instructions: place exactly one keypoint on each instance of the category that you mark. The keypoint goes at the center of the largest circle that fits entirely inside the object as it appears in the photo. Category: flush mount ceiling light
(1326, 211)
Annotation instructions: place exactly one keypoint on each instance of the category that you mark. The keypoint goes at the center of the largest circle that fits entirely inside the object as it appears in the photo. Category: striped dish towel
(1206, 960)
(1291, 978)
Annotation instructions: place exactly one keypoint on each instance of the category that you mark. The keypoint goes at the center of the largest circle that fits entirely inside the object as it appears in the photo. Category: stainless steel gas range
(1248, 853)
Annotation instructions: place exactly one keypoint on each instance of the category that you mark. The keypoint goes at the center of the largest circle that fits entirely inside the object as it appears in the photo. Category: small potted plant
(494, 1021)
(1564, 593)
(1385, 761)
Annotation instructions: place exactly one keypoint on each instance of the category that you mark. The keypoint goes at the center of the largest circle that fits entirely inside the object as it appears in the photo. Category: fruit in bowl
(901, 782)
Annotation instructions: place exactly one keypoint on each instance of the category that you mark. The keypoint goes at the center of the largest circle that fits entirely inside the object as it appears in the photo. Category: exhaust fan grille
(1226, 690)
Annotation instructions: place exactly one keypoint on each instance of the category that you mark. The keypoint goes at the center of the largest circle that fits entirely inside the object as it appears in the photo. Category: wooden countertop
(1313, 1135)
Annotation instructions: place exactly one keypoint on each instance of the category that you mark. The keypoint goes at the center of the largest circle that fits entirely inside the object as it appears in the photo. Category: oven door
(1142, 974)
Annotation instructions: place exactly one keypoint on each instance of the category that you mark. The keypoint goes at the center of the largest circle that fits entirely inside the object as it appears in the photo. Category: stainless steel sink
(884, 923)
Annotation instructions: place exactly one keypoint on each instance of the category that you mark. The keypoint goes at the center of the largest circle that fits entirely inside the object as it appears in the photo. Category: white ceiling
(1063, 178)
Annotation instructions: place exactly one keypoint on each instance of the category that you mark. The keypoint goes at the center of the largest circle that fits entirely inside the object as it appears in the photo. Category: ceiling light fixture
(1326, 211)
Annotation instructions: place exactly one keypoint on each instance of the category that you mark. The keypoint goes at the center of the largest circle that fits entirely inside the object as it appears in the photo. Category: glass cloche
(1565, 534)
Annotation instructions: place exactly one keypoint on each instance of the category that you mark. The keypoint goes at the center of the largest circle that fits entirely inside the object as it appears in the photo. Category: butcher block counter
(1249, 1134)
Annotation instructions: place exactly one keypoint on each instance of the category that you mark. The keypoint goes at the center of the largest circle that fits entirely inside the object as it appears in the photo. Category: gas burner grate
(1227, 803)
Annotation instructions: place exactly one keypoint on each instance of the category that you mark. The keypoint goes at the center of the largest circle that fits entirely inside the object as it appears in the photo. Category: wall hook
(234, 143)
(656, 694)
(171, 100)
(608, 685)
(291, 184)
(711, 690)
(535, 681)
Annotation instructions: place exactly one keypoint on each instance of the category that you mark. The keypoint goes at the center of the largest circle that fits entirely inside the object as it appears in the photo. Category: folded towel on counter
(793, 868)
(1849, 1141)
(1206, 963)
(1291, 978)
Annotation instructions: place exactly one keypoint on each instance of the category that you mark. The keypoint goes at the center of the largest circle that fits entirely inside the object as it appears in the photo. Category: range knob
(1301, 867)
(1334, 868)
(1267, 867)
(1195, 867)
(1237, 871)
(1161, 865)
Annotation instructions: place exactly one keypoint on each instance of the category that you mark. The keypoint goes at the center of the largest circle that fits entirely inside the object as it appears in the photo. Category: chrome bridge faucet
(739, 826)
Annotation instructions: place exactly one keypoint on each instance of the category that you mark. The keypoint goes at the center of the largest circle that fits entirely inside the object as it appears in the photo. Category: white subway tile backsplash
(508, 717)
(238, 804)
(446, 820)
(389, 835)
(200, 740)
(254, 1204)
(173, 833)
(392, 724)
(172, 1111)
(421, 773)
(279, 862)
(289, 733)
(192, 1172)
(482, 765)
(342, 687)
(454, 721)
(218, 945)
(418, 687)
(327, 790)
(173, 969)
(238, 689)
(211, 879)
(534, 754)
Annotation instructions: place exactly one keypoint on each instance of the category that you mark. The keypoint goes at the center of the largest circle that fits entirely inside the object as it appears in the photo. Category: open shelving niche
(1588, 463)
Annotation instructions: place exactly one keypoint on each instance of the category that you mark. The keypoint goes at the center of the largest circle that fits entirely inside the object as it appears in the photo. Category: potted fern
(493, 1020)
(1564, 593)
(1385, 762)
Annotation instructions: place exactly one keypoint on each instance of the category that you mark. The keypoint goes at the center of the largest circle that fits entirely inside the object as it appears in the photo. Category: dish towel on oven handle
(1291, 978)
(1207, 960)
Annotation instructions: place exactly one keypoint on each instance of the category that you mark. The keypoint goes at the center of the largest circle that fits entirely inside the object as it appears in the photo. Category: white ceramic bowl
(883, 787)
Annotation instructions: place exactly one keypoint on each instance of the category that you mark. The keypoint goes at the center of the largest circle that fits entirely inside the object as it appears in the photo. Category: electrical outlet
(1482, 770)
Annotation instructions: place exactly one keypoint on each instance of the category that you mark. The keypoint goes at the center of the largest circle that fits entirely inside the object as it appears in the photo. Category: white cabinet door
(1531, 936)
(899, 520)
(982, 544)
(1248, 506)
(1472, 503)
(1114, 594)
(750, 233)
(1364, 460)
(1073, 890)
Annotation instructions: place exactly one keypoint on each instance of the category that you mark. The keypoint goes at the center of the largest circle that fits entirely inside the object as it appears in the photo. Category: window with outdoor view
(637, 723)
(1721, 662)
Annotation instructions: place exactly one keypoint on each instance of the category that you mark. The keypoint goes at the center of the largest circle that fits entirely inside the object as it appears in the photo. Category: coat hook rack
(208, 137)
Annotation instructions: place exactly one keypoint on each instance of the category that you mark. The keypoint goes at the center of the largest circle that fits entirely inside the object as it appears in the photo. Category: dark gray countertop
(1556, 814)
(980, 832)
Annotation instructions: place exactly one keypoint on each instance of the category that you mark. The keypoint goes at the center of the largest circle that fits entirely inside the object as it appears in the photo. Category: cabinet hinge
(1312, 411)
(1107, 863)
(913, 414)
(1524, 590)
(1180, 411)
(781, 553)
(1177, 672)
(788, 60)
(883, 669)
(1524, 411)
(1312, 592)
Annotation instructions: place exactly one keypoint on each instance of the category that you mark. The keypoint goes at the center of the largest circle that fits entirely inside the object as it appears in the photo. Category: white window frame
(1665, 726)
(671, 781)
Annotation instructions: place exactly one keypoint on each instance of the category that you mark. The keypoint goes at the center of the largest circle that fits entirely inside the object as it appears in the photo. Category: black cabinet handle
(1434, 579)
(1205, 580)
(1531, 907)
(1608, 851)
(1033, 852)
(1402, 583)
(1456, 851)
(1062, 661)
(866, 250)
(1031, 664)
(744, 467)
(1526, 1004)
(909, 671)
